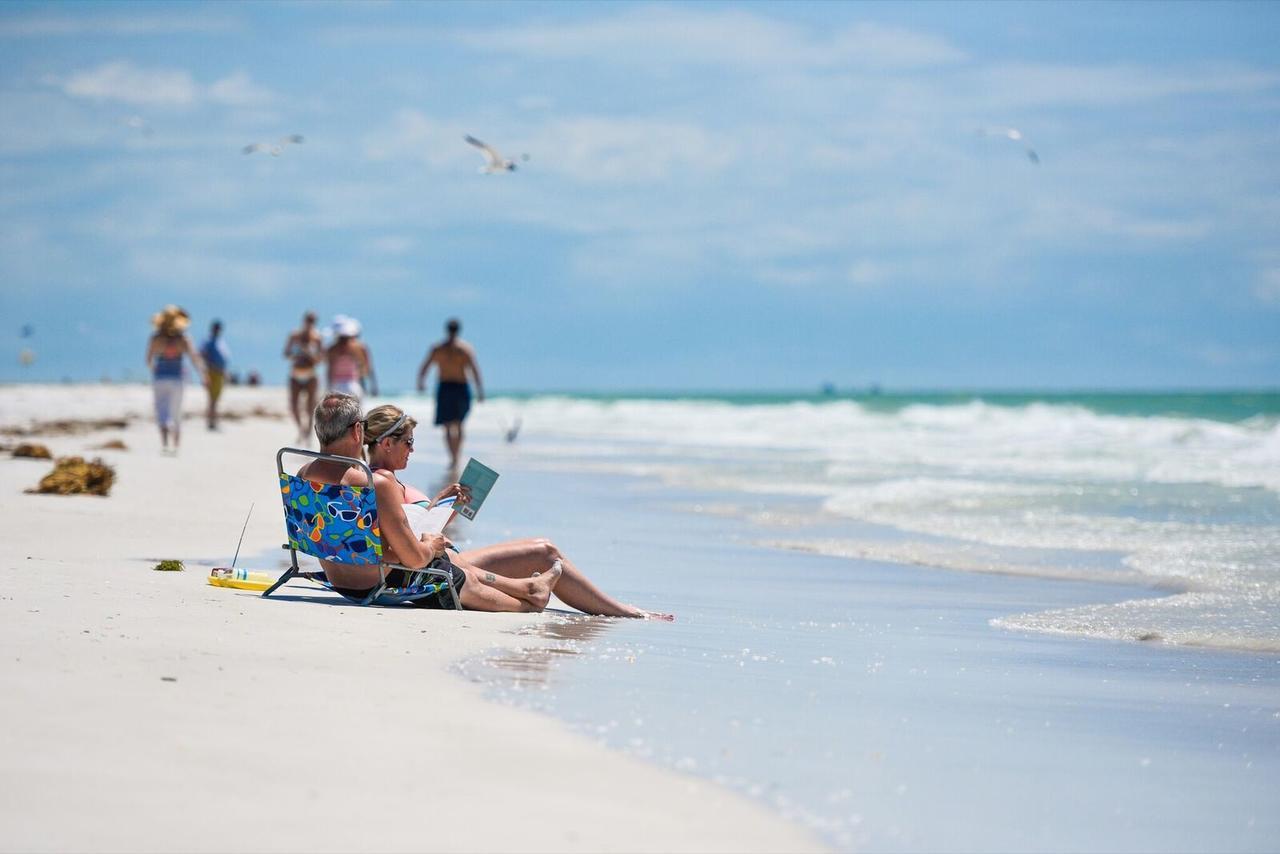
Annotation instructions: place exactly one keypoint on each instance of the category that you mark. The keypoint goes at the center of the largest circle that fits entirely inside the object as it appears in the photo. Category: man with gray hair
(340, 429)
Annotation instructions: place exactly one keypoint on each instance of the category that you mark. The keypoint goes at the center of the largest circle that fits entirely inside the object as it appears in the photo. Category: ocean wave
(1188, 504)
(1034, 440)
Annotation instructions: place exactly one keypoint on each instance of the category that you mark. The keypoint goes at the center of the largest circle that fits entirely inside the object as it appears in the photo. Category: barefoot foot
(541, 585)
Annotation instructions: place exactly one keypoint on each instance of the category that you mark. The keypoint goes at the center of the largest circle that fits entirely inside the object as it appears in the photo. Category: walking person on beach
(215, 354)
(388, 436)
(348, 362)
(304, 350)
(168, 344)
(454, 360)
(341, 430)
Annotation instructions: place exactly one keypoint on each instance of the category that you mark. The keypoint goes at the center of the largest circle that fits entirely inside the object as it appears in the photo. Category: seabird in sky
(1015, 135)
(494, 161)
(273, 147)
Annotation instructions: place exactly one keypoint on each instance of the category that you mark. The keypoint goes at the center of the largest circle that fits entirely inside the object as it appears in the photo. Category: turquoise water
(1230, 406)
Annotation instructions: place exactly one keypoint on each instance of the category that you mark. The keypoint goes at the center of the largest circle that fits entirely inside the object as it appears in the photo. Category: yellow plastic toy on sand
(240, 579)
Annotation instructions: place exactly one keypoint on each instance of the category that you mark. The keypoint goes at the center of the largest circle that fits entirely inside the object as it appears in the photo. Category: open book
(477, 477)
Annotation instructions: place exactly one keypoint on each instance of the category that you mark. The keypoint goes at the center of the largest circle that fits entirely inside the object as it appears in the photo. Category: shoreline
(875, 702)
(153, 705)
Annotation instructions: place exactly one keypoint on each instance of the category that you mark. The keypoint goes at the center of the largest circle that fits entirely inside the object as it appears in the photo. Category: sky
(718, 196)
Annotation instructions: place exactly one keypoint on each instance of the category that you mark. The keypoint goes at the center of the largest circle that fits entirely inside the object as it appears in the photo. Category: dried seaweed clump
(169, 566)
(112, 445)
(32, 451)
(66, 427)
(74, 476)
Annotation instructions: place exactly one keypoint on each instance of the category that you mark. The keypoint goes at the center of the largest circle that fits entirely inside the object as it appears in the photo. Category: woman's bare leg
(527, 558)
(308, 408)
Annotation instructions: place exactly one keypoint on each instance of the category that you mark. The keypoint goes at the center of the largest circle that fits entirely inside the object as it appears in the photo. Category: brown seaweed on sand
(33, 451)
(112, 445)
(74, 476)
(66, 427)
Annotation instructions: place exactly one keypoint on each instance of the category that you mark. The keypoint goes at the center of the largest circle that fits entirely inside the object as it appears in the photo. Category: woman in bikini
(348, 361)
(304, 351)
(388, 433)
(165, 350)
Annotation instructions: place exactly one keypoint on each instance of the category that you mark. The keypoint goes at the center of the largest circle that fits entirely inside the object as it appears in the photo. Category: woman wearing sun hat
(168, 344)
(349, 366)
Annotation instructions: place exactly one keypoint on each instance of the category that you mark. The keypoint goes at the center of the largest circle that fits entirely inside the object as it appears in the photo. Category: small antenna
(242, 530)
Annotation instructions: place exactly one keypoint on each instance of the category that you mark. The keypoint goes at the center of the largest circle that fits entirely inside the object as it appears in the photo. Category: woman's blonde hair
(386, 422)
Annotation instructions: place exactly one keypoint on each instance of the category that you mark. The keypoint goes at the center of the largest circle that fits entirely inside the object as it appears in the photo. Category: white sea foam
(1185, 504)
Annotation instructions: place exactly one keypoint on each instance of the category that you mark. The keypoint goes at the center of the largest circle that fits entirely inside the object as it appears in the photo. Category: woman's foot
(541, 584)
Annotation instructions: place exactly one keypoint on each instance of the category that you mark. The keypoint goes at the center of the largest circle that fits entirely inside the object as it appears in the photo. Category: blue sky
(718, 196)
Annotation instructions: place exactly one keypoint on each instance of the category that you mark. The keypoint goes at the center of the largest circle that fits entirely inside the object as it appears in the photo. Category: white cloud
(239, 90)
(191, 270)
(392, 244)
(1267, 288)
(414, 135)
(691, 35)
(586, 149)
(867, 273)
(123, 81)
(45, 26)
(1073, 219)
(1018, 85)
(1219, 355)
(630, 150)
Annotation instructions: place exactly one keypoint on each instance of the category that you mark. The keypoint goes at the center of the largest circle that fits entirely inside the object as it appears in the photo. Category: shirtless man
(454, 359)
(340, 429)
(304, 350)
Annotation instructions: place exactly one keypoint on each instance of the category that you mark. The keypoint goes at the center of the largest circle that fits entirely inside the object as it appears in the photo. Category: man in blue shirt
(215, 354)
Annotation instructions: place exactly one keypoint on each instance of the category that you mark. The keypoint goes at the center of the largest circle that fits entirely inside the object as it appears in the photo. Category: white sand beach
(148, 711)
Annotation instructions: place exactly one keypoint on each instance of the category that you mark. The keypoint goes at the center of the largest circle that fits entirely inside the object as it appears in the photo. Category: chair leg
(288, 573)
(291, 572)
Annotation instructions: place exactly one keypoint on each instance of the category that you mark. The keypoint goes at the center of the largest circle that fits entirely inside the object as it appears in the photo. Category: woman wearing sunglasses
(388, 437)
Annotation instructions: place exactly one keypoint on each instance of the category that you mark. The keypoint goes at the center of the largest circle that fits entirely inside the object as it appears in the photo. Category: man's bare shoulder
(323, 471)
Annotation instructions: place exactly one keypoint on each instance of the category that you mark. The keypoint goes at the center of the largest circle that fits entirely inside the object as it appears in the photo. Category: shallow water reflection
(532, 667)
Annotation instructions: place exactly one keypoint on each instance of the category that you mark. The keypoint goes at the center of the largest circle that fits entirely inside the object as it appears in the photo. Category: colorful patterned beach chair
(340, 524)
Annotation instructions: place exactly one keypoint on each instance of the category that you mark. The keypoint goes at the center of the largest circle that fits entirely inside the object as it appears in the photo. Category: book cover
(479, 479)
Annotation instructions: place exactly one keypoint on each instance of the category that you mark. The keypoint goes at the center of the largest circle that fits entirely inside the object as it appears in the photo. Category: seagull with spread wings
(1015, 135)
(494, 162)
(274, 148)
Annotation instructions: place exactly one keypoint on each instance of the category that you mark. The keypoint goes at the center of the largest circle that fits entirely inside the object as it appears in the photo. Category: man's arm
(474, 367)
(427, 361)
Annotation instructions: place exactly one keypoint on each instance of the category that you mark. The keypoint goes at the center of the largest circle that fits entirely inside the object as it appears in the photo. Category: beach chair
(340, 524)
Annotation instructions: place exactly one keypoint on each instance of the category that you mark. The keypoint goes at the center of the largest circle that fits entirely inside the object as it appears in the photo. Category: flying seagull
(273, 147)
(494, 162)
(1015, 135)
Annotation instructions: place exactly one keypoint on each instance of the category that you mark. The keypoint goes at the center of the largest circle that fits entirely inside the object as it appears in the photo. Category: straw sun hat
(171, 320)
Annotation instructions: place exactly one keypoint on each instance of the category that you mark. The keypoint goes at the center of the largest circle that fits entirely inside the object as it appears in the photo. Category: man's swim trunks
(453, 401)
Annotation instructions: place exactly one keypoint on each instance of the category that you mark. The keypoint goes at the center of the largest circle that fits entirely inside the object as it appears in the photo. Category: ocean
(939, 622)
(1179, 491)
